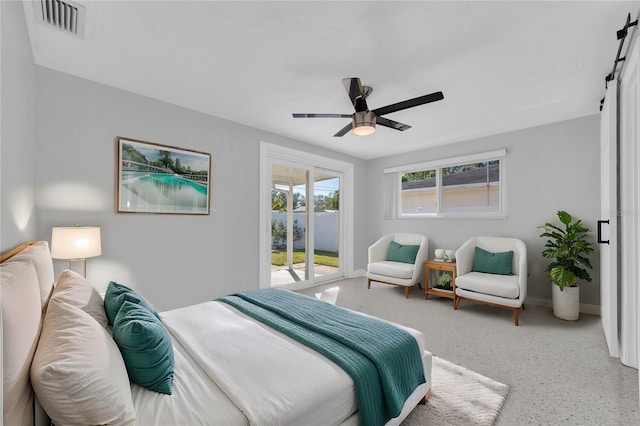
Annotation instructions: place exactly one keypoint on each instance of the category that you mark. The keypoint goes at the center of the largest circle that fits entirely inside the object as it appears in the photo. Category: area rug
(459, 397)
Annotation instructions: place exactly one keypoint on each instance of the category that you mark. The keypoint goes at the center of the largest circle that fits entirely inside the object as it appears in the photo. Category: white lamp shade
(78, 242)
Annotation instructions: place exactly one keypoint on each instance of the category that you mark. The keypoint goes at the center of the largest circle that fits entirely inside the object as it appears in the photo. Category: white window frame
(438, 165)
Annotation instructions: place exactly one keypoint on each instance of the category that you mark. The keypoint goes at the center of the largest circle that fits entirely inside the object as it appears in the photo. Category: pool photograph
(155, 178)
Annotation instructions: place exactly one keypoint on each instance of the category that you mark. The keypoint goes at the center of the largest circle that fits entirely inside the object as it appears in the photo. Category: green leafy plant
(569, 248)
(279, 233)
(444, 280)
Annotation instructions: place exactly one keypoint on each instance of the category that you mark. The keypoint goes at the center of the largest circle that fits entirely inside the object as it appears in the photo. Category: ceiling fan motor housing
(364, 123)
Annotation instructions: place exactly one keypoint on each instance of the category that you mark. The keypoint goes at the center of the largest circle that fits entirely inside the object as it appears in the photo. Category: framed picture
(154, 178)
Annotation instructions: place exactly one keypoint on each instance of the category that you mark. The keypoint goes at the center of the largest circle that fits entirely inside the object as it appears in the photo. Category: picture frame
(155, 178)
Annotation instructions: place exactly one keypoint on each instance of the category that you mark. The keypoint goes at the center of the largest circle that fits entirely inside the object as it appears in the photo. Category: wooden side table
(434, 265)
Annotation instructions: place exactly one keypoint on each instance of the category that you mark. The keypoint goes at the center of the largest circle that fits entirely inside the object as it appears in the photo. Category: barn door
(629, 206)
(608, 223)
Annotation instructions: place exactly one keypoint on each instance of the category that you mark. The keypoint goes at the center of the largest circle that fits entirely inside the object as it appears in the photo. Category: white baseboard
(585, 308)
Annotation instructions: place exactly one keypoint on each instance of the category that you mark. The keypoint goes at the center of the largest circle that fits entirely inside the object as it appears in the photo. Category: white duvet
(232, 370)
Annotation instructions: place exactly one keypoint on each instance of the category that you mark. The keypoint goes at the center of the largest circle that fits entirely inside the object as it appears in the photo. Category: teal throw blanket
(383, 361)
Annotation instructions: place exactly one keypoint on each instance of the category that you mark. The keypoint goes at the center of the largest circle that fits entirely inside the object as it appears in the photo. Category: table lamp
(75, 243)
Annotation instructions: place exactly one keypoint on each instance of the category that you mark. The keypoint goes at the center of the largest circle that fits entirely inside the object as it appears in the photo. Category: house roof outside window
(466, 177)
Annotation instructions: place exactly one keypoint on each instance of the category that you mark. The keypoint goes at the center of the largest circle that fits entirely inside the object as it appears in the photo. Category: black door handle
(600, 240)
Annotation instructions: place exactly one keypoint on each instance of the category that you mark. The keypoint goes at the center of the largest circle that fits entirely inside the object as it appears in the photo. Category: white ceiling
(501, 65)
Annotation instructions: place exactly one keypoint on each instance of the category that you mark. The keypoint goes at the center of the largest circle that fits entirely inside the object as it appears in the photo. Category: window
(464, 186)
(471, 187)
(418, 194)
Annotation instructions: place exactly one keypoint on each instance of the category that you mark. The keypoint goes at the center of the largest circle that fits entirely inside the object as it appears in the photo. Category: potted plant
(567, 245)
(444, 281)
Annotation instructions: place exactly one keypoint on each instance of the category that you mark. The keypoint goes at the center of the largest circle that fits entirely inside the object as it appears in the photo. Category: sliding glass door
(306, 226)
(306, 219)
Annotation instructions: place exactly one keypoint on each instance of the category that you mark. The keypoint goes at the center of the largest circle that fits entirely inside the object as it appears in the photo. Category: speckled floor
(559, 372)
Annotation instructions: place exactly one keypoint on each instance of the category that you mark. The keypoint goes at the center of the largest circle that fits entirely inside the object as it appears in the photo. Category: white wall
(548, 168)
(18, 135)
(174, 259)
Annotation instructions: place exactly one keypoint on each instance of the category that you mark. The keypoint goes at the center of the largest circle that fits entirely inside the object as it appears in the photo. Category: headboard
(26, 281)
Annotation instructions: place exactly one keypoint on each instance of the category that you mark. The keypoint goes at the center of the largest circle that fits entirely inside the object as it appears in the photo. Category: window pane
(288, 225)
(471, 187)
(326, 242)
(418, 194)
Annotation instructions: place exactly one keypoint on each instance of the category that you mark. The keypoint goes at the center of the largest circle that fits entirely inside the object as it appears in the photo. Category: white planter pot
(566, 304)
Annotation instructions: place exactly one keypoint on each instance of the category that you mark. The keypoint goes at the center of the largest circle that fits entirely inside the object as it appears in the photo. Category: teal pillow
(145, 346)
(492, 263)
(117, 294)
(401, 253)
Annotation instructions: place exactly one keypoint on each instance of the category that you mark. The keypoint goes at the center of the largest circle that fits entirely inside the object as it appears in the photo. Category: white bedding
(195, 400)
(281, 381)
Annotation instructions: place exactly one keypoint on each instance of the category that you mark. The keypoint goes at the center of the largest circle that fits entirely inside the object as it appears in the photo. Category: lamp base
(84, 265)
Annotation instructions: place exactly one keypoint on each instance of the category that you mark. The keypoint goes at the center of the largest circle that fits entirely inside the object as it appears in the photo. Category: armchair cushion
(492, 263)
(506, 286)
(391, 269)
(402, 253)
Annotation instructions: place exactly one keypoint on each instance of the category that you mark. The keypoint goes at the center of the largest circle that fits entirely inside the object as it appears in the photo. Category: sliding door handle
(600, 240)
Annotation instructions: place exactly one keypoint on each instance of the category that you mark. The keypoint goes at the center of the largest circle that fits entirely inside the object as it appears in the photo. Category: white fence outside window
(327, 229)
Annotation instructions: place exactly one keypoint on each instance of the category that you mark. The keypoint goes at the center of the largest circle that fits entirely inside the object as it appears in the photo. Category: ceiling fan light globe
(364, 130)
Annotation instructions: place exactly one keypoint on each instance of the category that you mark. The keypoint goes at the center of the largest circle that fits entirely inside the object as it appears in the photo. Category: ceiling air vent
(65, 16)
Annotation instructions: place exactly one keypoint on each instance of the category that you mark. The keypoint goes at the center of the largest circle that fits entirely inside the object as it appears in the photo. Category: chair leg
(369, 283)
(516, 320)
(406, 292)
(523, 307)
(419, 286)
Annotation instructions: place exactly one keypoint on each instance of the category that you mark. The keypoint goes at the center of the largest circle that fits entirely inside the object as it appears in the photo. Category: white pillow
(74, 289)
(21, 313)
(39, 255)
(77, 372)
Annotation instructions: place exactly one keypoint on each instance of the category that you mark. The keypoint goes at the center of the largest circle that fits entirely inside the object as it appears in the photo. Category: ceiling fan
(363, 121)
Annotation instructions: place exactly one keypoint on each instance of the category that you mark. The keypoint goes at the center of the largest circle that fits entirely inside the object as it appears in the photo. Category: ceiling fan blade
(312, 115)
(392, 124)
(356, 93)
(420, 100)
(353, 87)
(344, 130)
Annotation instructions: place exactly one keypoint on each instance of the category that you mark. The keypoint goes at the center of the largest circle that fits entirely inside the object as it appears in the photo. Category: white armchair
(397, 273)
(507, 291)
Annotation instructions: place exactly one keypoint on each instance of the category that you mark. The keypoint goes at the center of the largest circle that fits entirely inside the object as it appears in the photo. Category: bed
(227, 367)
